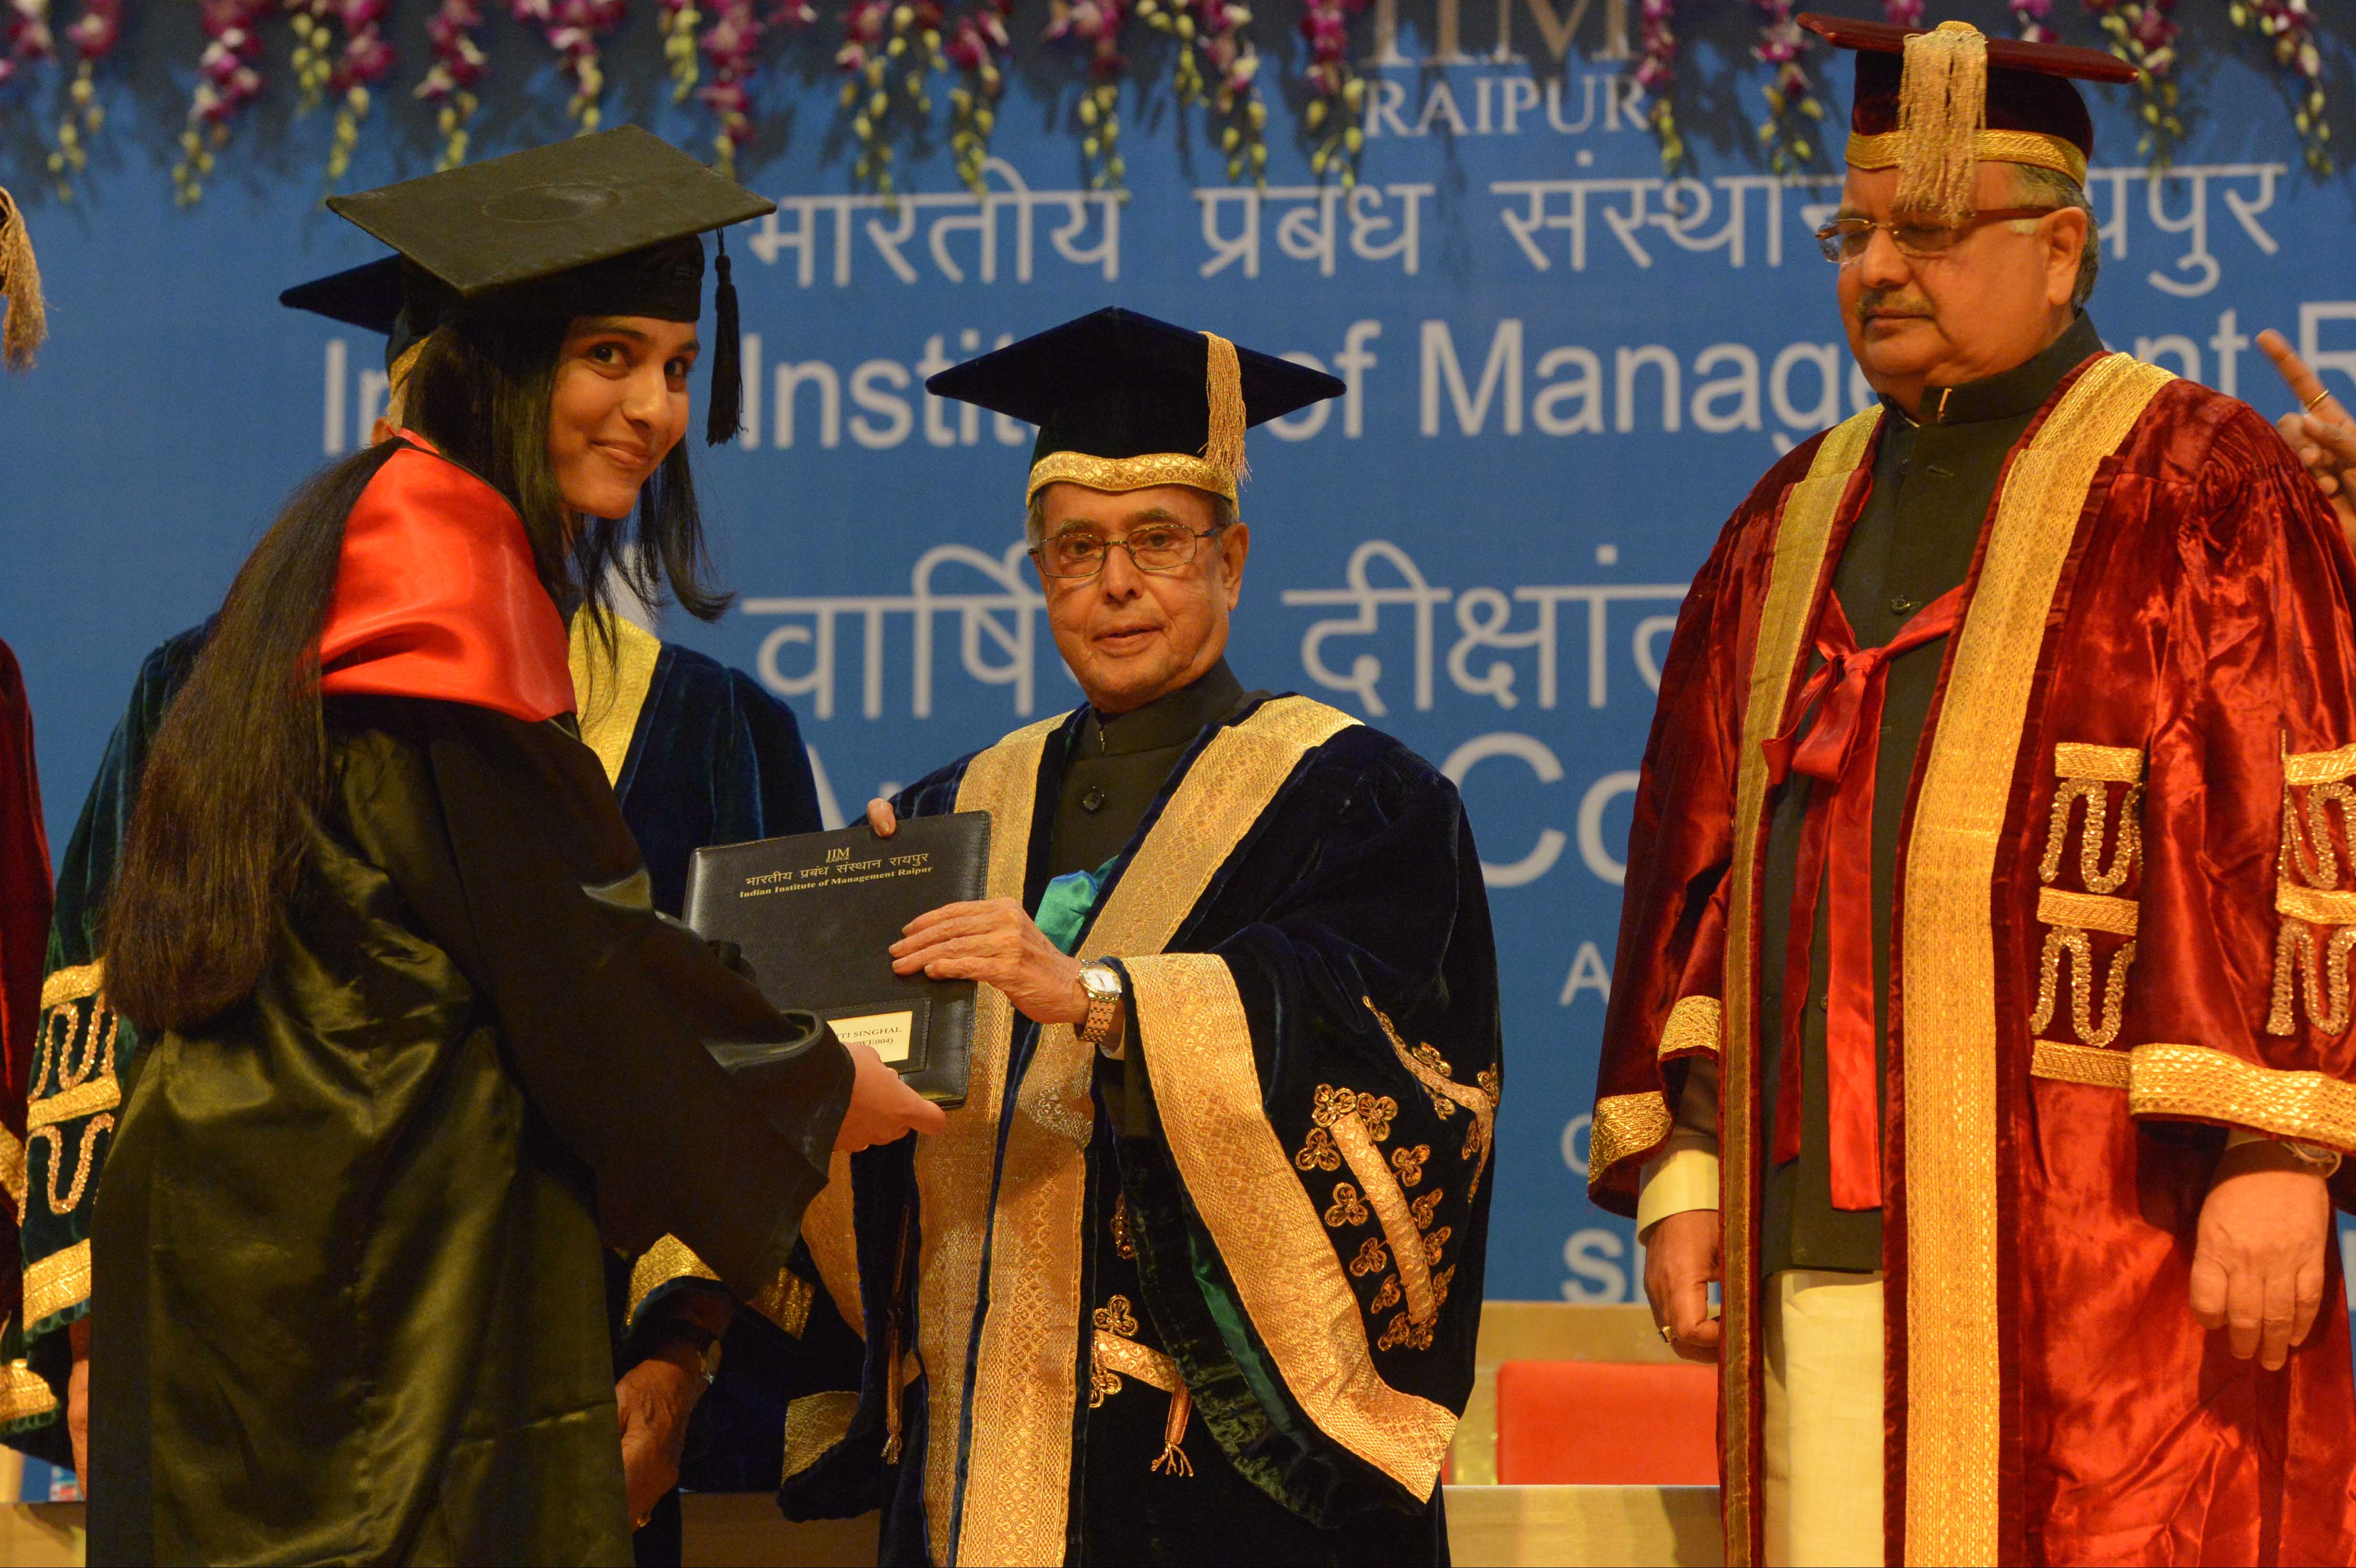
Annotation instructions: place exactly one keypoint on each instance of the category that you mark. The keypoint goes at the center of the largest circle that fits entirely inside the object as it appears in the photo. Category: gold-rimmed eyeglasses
(1156, 548)
(1845, 240)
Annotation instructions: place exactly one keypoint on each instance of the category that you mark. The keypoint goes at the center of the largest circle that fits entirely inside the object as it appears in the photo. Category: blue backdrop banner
(1563, 371)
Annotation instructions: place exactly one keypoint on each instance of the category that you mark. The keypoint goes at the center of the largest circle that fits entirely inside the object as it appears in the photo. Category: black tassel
(727, 354)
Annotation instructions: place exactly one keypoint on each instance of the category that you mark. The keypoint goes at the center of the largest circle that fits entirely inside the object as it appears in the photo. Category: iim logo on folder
(816, 915)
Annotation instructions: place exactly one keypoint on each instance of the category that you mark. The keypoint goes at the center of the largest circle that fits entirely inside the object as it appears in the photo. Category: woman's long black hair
(238, 770)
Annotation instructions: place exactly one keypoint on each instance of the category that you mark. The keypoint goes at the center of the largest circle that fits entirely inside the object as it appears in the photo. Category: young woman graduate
(416, 1030)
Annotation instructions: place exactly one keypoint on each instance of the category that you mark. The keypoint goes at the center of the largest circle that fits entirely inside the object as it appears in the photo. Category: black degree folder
(816, 915)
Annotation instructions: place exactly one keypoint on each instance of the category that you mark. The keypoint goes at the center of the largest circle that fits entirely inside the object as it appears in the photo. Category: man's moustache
(1872, 303)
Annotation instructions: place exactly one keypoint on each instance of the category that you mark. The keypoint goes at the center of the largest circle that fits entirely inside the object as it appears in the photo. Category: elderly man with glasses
(1194, 1275)
(1981, 1020)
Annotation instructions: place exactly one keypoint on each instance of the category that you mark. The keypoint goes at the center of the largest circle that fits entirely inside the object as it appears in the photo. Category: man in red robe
(1982, 1015)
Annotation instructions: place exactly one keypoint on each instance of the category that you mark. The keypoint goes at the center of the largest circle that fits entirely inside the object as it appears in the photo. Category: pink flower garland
(1656, 73)
(732, 45)
(226, 82)
(680, 20)
(977, 42)
(366, 59)
(1097, 25)
(2289, 27)
(29, 36)
(449, 82)
(879, 35)
(572, 28)
(93, 38)
(1212, 31)
(1341, 92)
(1791, 103)
(2028, 19)
(2142, 33)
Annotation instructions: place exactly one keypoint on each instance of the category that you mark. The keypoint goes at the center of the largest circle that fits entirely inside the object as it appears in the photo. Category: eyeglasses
(1845, 240)
(1156, 548)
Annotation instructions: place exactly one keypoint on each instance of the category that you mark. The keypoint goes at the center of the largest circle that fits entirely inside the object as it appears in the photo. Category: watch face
(1101, 982)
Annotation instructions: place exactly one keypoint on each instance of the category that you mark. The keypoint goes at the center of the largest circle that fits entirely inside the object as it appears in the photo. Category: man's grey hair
(1035, 524)
(2035, 187)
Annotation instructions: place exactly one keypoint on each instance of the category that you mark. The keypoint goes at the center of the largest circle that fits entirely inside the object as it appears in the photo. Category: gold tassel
(1224, 449)
(1181, 1405)
(1942, 109)
(23, 321)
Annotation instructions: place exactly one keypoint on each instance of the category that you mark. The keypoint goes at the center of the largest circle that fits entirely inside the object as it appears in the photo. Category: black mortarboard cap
(597, 225)
(1123, 402)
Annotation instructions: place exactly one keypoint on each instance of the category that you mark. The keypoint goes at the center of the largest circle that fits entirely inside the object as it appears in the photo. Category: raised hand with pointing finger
(2320, 430)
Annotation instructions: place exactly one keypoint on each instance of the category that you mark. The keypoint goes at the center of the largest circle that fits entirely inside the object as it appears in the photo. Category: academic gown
(698, 753)
(1216, 1299)
(25, 898)
(2118, 926)
(349, 1240)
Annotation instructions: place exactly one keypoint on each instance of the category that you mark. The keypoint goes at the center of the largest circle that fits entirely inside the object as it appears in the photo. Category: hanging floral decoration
(572, 28)
(227, 81)
(732, 47)
(1211, 33)
(2288, 27)
(2142, 33)
(977, 43)
(1341, 92)
(93, 38)
(28, 36)
(1656, 73)
(679, 19)
(890, 49)
(1902, 13)
(1793, 113)
(314, 55)
(366, 61)
(1096, 23)
(2028, 19)
(449, 84)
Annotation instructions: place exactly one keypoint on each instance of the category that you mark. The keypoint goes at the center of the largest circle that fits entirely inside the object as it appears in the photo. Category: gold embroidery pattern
(72, 984)
(814, 1424)
(2087, 773)
(1404, 1329)
(56, 1284)
(667, 1259)
(1345, 1210)
(1424, 1207)
(1290, 1280)
(827, 1232)
(2081, 949)
(73, 1076)
(610, 687)
(85, 1160)
(1317, 1152)
(1626, 1125)
(1116, 474)
(1356, 1139)
(786, 1302)
(1408, 1163)
(24, 1392)
(1020, 1408)
(1115, 1317)
(1373, 1258)
(1695, 1023)
(2309, 897)
(1630, 1123)
(1387, 1297)
(86, 1098)
(1121, 1245)
(953, 1167)
(1432, 1070)
(1953, 1436)
(2079, 1064)
(2194, 1081)
(1111, 1355)
(13, 1173)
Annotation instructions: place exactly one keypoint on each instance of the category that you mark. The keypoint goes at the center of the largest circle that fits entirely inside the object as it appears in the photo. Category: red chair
(1606, 1424)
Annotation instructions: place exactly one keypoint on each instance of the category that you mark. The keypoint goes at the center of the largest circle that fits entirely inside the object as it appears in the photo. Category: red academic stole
(437, 596)
(1840, 750)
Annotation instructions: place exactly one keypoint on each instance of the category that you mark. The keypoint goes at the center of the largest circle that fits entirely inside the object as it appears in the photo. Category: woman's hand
(881, 818)
(992, 940)
(882, 1108)
(654, 1399)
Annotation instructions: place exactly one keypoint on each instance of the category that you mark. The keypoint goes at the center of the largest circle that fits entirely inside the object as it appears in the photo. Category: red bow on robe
(438, 596)
(1840, 750)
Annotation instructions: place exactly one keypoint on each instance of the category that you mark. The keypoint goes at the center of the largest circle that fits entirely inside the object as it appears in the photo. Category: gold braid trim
(666, 1260)
(786, 1302)
(610, 685)
(2087, 912)
(2319, 767)
(57, 1283)
(86, 1098)
(1695, 1023)
(1116, 474)
(2034, 148)
(72, 984)
(827, 1232)
(814, 1424)
(2103, 764)
(2079, 1064)
(1625, 1125)
(2194, 1081)
(24, 1393)
(1110, 1353)
(1389, 1204)
(13, 1172)
(2314, 905)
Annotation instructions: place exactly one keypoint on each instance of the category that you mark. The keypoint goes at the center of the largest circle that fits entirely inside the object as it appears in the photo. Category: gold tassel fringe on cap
(23, 321)
(1225, 388)
(1941, 110)
(1220, 468)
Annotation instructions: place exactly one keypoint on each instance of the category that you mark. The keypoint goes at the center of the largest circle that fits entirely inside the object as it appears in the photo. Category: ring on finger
(1668, 1335)
(2316, 399)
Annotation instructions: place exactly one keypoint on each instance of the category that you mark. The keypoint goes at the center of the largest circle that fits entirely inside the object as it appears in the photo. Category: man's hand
(2322, 433)
(1681, 1263)
(2257, 1266)
(882, 818)
(654, 1399)
(78, 1400)
(992, 940)
(882, 1108)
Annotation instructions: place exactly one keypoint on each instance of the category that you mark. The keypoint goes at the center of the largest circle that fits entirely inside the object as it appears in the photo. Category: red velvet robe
(2142, 728)
(25, 894)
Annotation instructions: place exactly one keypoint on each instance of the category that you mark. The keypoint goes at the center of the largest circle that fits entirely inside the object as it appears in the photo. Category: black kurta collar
(2008, 394)
(1171, 720)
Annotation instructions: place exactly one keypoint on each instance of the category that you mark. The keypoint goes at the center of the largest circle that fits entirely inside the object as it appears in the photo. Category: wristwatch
(1101, 984)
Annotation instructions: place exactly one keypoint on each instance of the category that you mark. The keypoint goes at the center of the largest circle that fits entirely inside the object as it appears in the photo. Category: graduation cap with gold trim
(601, 225)
(1125, 402)
(1934, 105)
